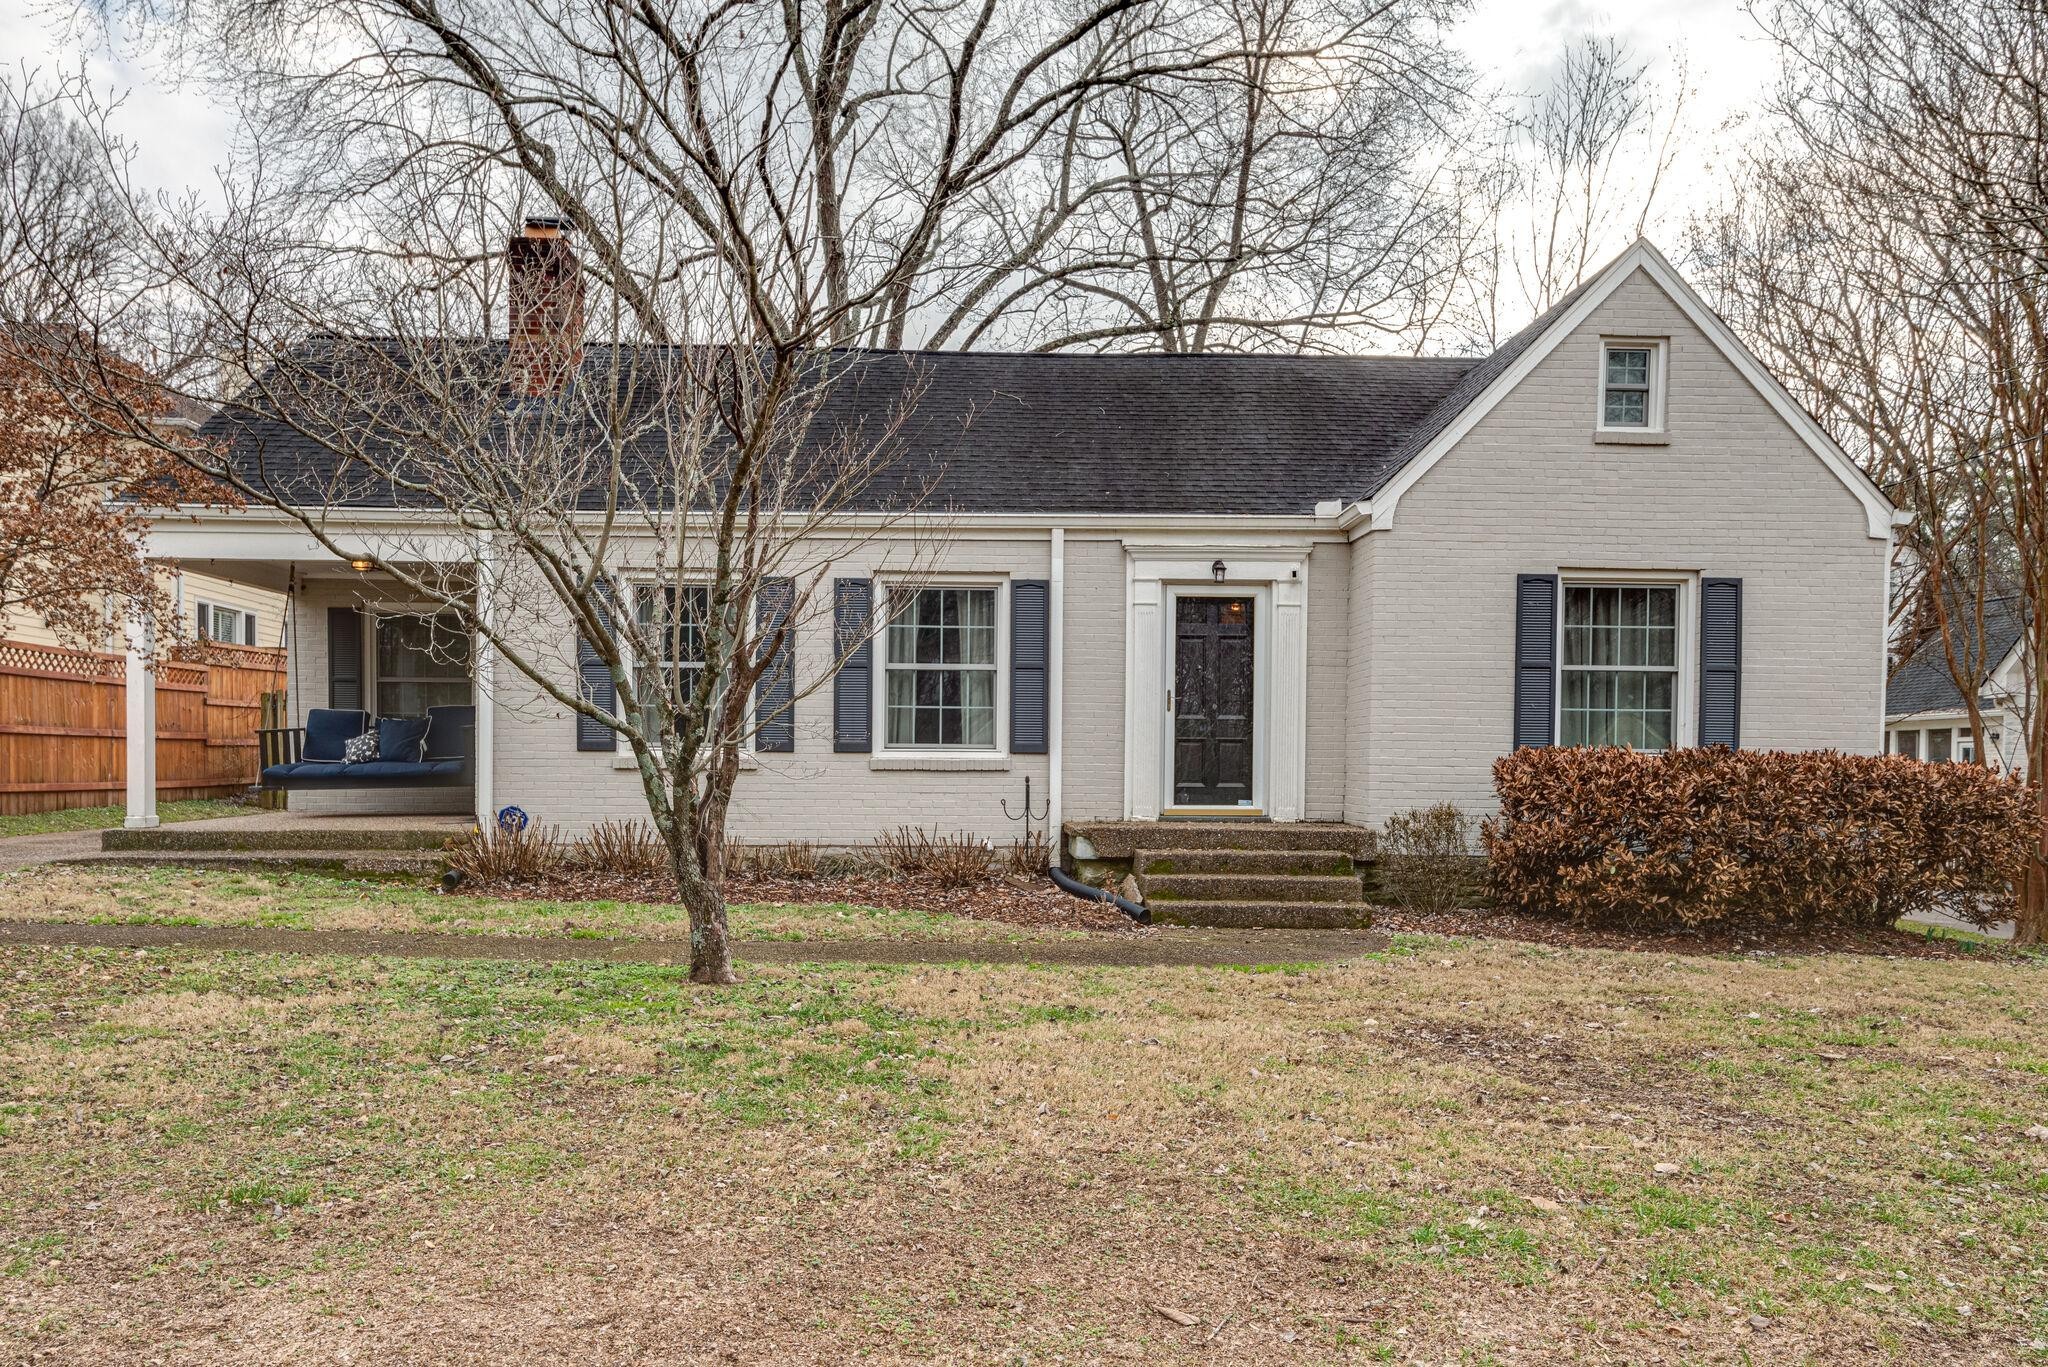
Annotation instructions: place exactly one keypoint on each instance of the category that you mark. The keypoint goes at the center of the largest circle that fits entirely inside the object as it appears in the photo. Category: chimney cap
(545, 225)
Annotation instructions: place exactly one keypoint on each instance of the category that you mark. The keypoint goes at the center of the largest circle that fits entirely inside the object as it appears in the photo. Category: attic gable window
(1631, 386)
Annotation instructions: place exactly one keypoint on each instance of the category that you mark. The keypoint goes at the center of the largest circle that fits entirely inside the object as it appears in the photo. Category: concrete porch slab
(287, 830)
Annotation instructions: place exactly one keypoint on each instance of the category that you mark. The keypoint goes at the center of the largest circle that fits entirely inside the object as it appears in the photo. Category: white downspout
(1055, 684)
(486, 759)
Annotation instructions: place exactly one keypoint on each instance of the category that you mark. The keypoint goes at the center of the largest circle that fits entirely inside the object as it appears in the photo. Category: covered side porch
(367, 668)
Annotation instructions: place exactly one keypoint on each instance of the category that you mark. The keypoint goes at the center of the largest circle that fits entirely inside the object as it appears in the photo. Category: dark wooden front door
(1212, 707)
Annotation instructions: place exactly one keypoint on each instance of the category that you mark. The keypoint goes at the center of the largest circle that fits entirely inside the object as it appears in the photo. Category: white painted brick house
(1290, 589)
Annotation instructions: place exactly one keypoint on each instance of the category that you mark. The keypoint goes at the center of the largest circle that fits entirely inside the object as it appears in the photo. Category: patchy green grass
(306, 901)
(1451, 1151)
(101, 818)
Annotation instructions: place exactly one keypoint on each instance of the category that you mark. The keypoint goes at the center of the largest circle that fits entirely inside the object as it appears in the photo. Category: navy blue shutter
(1721, 662)
(853, 687)
(1030, 653)
(775, 690)
(597, 686)
(1535, 659)
(344, 658)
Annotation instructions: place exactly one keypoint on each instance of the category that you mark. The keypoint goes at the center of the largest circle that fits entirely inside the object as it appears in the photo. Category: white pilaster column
(1055, 701)
(141, 732)
(482, 685)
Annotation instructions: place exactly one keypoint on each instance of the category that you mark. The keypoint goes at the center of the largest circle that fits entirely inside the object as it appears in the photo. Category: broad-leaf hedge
(1736, 839)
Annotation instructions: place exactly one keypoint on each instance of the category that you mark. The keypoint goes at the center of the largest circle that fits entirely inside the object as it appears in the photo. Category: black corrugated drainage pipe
(1067, 883)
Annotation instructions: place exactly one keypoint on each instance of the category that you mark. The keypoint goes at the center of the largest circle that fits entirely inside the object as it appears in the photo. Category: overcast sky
(1514, 43)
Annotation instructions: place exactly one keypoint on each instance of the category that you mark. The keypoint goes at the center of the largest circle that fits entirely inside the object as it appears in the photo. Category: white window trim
(1685, 720)
(878, 723)
(244, 621)
(1657, 347)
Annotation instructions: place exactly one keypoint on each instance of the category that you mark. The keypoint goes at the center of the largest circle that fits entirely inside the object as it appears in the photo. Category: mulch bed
(1035, 903)
(1491, 925)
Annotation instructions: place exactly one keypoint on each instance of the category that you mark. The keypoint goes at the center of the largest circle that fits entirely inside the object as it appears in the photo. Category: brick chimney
(546, 307)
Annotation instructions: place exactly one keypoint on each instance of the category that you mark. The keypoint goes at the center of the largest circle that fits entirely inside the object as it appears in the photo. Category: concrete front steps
(1291, 875)
(362, 863)
(286, 842)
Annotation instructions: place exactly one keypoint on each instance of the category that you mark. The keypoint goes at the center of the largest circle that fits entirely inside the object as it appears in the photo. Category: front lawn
(1453, 1151)
(300, 901)
(101, 818)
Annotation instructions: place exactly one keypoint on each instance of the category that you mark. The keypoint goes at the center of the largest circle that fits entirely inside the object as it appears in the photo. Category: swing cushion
(328, 732)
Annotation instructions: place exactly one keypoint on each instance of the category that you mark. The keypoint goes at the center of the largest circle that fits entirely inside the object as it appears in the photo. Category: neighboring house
(1275, 587)
(1926, 715)
(209, 607)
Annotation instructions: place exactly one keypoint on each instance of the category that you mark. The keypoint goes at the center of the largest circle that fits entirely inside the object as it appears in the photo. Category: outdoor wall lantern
(1219, 569)
(362, 564)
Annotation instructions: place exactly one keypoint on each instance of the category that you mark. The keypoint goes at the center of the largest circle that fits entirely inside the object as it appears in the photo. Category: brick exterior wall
(1093, 703)
(811, 794)
(1329, 678)
(1735, 492)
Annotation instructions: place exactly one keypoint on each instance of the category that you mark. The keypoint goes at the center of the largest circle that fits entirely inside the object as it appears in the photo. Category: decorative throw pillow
(360, 749)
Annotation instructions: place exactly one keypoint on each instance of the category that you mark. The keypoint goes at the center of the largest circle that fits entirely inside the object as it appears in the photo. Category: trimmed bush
(1753, 840)
(1426, 858)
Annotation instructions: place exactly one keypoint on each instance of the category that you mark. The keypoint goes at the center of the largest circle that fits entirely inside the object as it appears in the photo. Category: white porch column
(484, 674)
(141, 735)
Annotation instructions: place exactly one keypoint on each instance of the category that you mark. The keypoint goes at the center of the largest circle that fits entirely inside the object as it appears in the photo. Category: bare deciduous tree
(1887, 251)
(74, 493)
(744, 184)
(1573, 173)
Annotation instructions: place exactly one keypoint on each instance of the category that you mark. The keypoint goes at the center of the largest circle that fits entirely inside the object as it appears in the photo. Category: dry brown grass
(313, 902)
(1453, 1152)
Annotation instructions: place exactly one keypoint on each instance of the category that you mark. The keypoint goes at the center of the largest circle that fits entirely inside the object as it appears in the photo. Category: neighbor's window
(1619, 678)
(1628, 377)
(229, 626)
(1906, 743)
(941, 668)
(422, 662)
(671, 621)
(1938, 749)
(1966, 746)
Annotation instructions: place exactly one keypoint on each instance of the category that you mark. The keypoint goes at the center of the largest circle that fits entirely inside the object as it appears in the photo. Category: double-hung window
(939, 662)
(1618, 678)
(671, 621)
(1630, 376)
(423, 661)
(226, 625)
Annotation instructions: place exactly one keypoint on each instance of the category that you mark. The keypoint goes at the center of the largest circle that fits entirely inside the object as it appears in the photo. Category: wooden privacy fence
(64, 718)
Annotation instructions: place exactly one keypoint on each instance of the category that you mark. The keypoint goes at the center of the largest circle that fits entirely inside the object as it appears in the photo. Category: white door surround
(1277, 578)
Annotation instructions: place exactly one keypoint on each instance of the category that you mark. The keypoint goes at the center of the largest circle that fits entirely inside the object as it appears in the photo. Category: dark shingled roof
(1065, 433)
(1472, 384)
(1924, 684)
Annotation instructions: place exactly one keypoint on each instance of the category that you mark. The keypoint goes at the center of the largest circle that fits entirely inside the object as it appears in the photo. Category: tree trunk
(2030, 925)
(710, 939)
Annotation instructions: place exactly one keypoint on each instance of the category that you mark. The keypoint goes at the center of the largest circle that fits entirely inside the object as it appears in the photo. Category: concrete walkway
(26, 851)
(2002, 931)
(1159, 949)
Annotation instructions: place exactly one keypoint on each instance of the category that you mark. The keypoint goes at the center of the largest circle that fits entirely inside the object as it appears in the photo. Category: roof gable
(1487, 384)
